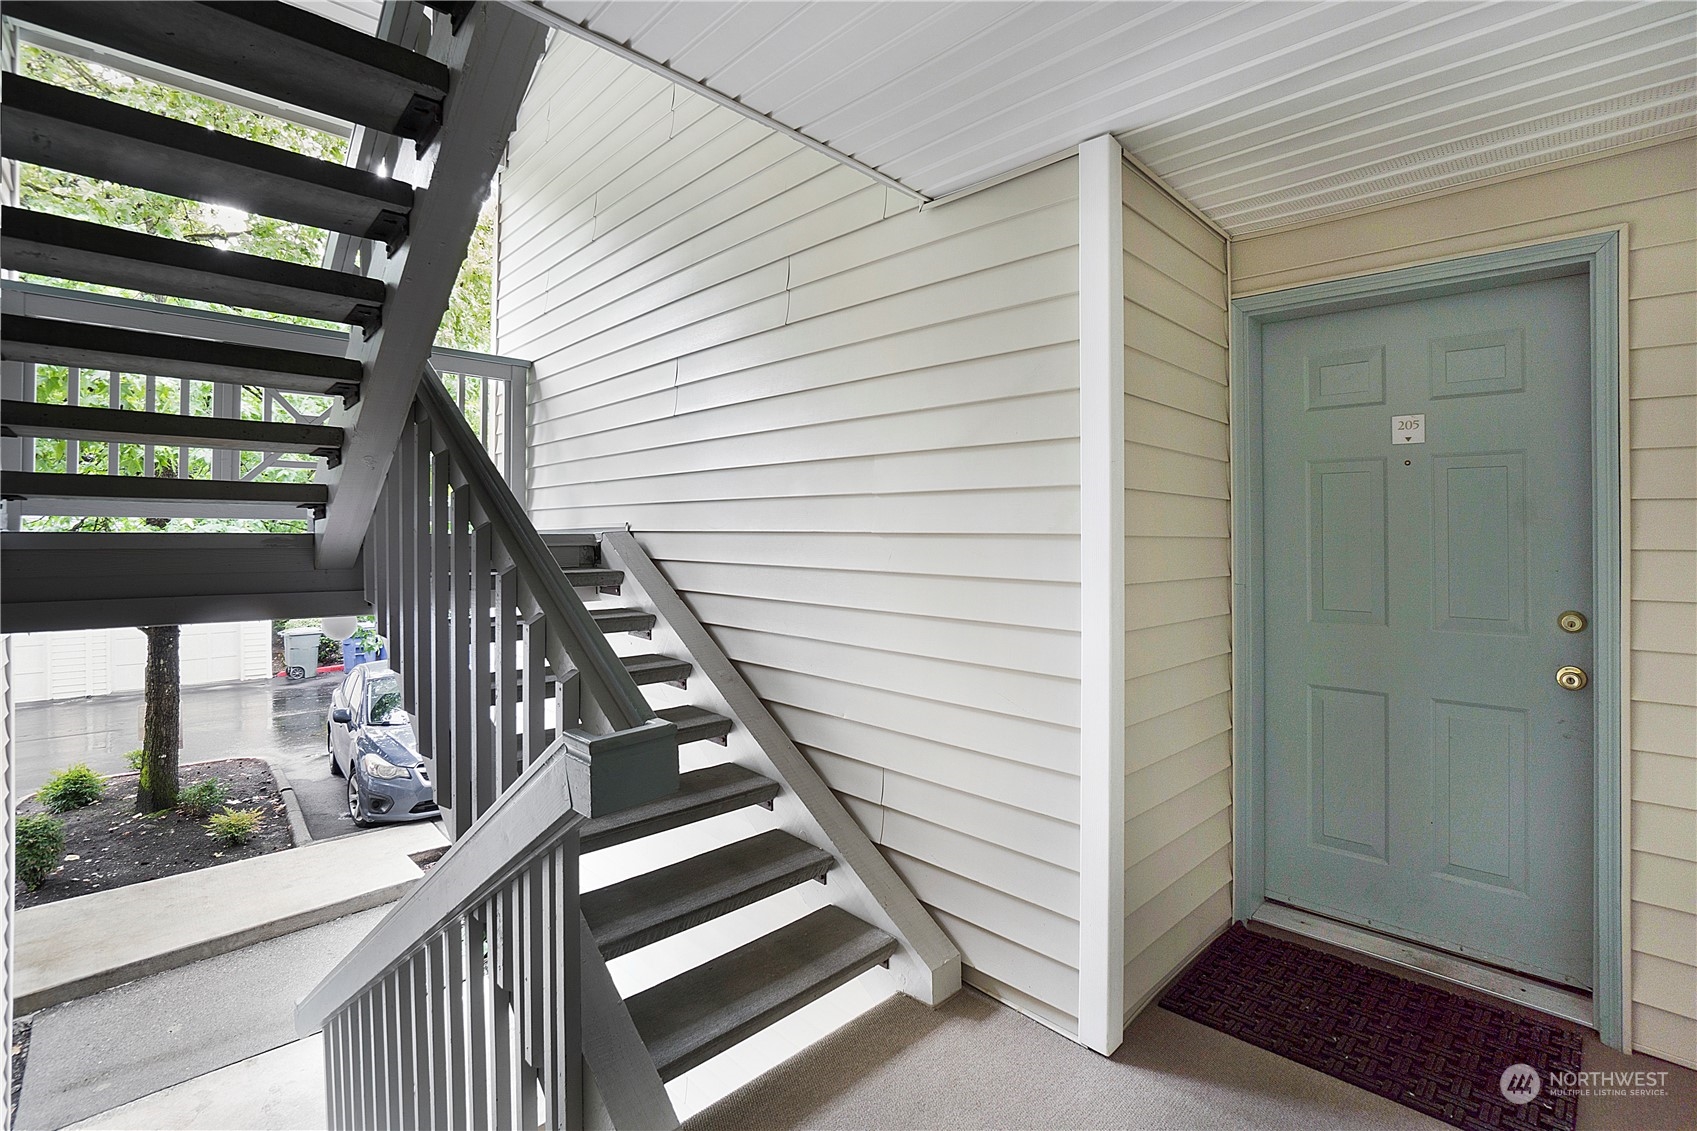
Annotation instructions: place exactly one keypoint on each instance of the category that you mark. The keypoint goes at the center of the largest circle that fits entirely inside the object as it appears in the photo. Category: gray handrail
(606, 681)
(528, 819)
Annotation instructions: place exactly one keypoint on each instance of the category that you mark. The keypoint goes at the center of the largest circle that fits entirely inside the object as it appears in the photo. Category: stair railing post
(227, 403)
(17, 383)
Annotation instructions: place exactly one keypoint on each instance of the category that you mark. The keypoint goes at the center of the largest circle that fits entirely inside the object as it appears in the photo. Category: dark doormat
(1434, 1051)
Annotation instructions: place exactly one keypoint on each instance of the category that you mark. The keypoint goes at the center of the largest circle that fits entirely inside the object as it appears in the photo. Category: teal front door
(1427, 507)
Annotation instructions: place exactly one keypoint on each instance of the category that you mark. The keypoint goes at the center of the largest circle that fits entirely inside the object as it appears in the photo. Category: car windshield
(384, 694)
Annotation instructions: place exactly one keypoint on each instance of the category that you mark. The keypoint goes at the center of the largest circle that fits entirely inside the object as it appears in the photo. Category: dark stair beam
(261, 498)
(61, 129)
(707, 792)
(94, 253)
(656, 905)
(268, 48)
(702, 1012)
(455, 10)
(167, 429)
(55, 341)
(623, 620)
(696, 724)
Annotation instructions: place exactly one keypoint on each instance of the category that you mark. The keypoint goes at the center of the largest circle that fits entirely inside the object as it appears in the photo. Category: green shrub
(137, 759)
(71, 788)
(40, 840)
(202, 798)
(234, 826)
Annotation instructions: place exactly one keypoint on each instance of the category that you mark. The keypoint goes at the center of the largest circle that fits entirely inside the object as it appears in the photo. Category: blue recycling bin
(353, 656)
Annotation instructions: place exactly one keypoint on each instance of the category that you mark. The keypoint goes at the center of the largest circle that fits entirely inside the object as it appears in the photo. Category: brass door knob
(1572, 678)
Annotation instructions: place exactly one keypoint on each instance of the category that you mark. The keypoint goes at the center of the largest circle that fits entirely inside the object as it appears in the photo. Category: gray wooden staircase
(693, 1016)
(571, 704)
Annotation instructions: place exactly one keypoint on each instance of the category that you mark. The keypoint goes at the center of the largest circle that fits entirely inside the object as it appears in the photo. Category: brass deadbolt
(1572, 678)
(1572, 621)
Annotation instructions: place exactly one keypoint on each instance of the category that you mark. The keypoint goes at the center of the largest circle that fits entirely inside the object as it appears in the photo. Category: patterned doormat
(1434, 1051)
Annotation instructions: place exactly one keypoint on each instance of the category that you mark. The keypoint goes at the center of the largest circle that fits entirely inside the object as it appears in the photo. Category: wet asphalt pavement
(279, 720)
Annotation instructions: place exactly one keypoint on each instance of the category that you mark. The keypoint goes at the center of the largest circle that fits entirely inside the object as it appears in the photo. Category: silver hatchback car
(371, 743)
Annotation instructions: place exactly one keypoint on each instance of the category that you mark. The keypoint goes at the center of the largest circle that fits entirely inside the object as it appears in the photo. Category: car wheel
(335, 766)
(356, 803)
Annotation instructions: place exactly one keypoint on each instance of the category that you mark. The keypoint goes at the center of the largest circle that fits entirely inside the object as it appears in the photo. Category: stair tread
(593, 578)
(95, 253)
(701, 794)
(622, 620)
(57, 341)
(27, 418)
(695, 723)
(574, 551)
(123, 489)
(272, 49)
(655, 905)
(61, 129)
(642, 669)
(656, 669)
(702, 1012)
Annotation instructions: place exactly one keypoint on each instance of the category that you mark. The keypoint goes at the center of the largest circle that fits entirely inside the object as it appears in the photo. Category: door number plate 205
(1408, 429)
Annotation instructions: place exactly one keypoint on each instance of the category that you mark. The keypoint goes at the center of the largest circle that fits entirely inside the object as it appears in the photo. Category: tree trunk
(161, 721)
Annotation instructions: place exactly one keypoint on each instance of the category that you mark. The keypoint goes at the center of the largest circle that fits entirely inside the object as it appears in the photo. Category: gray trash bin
(300, 651)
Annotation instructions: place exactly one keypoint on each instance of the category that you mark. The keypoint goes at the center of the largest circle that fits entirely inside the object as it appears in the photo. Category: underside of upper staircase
(303, 424)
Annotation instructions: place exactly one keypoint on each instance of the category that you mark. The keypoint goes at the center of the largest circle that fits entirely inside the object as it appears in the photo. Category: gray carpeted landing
(974, 1064)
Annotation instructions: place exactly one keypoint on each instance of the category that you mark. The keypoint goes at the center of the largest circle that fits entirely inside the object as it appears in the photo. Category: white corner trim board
(1101, 406)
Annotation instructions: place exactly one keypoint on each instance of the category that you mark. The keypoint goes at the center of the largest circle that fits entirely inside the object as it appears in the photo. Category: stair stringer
(926, 965)
(622, 1088)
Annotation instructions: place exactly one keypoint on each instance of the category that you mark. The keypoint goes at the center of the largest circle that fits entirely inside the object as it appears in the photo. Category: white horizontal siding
(111, 661)
(1653, 192)
(1178, 590)
(848, 431)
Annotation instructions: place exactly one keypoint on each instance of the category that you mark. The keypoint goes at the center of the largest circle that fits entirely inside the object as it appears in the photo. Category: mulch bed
(109, 845)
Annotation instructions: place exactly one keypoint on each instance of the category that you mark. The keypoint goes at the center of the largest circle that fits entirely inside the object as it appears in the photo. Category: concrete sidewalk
(113, 1048)
(81, 946)
(280, 1090)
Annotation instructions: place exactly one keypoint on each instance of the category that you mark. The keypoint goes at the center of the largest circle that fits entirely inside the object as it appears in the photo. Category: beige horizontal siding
(1178, 589)
(1653, 192)
(848, 432)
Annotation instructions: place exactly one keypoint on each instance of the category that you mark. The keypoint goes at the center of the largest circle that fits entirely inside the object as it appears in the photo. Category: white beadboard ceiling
(1261, 114)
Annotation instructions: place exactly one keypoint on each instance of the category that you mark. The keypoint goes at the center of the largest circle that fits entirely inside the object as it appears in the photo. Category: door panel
(1425, 774)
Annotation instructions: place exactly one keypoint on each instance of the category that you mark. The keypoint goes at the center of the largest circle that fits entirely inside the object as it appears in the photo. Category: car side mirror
(342, 715)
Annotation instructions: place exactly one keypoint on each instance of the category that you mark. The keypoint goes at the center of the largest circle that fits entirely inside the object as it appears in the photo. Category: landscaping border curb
(70, 990)
(291, 807)
(76, 947)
